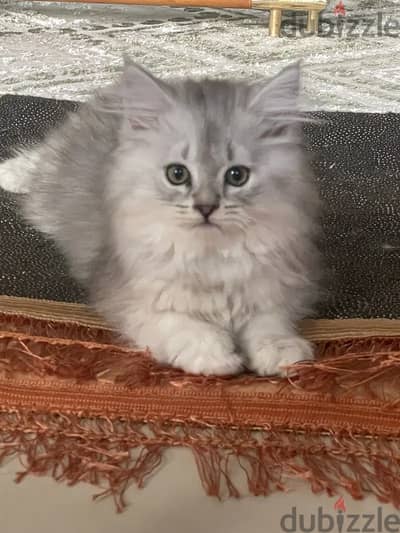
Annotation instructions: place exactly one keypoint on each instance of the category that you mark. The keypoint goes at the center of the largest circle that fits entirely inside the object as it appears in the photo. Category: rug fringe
(113, 454)
(342, 365)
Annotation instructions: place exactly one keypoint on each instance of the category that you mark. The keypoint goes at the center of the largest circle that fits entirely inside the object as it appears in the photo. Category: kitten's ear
(144, 96)
(280, 94)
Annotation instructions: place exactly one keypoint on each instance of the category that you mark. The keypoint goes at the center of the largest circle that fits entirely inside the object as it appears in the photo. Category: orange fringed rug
(79, 406)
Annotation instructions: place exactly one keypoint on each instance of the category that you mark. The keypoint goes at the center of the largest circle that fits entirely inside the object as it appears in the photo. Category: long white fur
(15, 172)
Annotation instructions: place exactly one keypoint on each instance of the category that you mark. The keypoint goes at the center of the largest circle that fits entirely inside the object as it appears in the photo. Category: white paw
(276, 353)
(211, 353)
(11, 178)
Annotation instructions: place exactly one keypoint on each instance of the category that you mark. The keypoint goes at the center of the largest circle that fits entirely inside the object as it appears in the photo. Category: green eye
(177, 175)
(237, 176)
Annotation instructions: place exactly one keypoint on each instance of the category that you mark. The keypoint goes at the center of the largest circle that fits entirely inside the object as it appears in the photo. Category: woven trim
(81, 314)
(79, 405)
(50, 310)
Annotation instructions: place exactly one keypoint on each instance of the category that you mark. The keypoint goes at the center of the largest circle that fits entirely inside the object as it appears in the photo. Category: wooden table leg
(275, 21)
(312, 21)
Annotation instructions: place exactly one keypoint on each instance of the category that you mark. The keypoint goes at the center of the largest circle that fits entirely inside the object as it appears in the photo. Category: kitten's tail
(15, 173)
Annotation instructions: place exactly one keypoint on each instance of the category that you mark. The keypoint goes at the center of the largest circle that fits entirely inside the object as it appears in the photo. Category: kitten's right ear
(143, 95)
(280, 93)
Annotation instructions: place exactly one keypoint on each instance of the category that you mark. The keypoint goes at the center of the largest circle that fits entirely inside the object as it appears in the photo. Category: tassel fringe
(255, 426)
(112, 455)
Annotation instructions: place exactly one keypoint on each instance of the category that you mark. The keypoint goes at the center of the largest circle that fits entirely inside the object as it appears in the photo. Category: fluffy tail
(15, 173)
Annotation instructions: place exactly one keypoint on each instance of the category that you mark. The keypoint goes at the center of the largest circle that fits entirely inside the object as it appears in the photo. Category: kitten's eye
(177, 175)
(237, 176)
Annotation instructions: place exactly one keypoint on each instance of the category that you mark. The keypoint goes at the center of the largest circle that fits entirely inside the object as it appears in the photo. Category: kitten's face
(212, 163)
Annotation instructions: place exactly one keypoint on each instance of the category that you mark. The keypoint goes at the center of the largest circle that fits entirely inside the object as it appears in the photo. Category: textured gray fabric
(67, 50)
(357, 164)
(30, 265)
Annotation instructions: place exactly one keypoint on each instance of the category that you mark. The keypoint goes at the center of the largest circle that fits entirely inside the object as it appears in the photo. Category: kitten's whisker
(241, 223)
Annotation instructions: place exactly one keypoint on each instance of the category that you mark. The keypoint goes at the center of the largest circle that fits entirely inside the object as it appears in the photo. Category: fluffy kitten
(188, 211)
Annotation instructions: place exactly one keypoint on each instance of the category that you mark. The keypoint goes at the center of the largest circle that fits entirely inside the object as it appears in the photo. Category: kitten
(188, 211)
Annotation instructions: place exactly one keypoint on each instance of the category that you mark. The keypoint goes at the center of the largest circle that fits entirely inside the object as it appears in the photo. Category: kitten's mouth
(207, 224)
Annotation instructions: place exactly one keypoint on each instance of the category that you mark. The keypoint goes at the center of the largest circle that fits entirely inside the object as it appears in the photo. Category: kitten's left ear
(144, 96)
(280, 94)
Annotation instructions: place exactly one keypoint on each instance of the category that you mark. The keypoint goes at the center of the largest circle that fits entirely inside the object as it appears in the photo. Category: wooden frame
(312, 7)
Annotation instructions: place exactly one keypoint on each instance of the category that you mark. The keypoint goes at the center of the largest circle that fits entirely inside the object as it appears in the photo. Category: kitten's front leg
(193, 345)
(271, 343)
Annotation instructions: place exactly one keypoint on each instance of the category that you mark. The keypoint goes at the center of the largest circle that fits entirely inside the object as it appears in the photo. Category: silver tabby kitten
(188, 211)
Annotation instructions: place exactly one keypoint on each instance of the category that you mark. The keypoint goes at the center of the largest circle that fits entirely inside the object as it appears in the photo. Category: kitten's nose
(206, 209)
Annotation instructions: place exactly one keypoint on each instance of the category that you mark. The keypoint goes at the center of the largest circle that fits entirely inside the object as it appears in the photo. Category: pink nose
(205, 210)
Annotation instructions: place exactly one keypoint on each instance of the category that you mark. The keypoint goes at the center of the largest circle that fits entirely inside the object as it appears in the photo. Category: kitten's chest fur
(220, 289)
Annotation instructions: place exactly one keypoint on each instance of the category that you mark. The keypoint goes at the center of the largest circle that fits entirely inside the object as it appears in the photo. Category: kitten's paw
(209, 354)
(277, 353)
